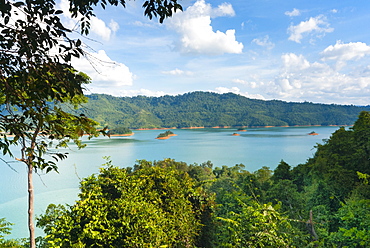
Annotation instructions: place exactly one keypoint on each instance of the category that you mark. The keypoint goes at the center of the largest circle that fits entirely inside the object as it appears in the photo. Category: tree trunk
(310, 227)
(31, 226)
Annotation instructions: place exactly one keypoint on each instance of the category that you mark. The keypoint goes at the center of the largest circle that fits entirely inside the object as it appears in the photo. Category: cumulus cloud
(294, 12)
(99, 28)
(294, 62)
(317, 25)
(105, 73)
(341, 53)
(177, 72)
(344, 52)
(317, 82)
(300, 79)
(196, 33)
(264, 42)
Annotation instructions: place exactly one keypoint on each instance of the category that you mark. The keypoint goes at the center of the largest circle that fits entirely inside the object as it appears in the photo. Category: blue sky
(316, 51)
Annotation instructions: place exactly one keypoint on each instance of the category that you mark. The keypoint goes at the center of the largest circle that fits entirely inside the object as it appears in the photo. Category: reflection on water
(255, 148)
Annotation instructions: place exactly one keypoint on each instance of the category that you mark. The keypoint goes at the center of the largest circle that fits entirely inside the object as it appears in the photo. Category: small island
(241, 129)
(313, 133)
(120, 131)
(165, 135)
(235, 134)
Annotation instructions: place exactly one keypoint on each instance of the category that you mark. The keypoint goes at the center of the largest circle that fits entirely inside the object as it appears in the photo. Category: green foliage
(336, 163)
(282, 172)
(354, 228)
(285, 192)
(154, 206)
(257, 225)
(36, 77)
(4, 228)
(210, 109)
(153, 8)
(34, 117)
(322, 203)
(120, 129)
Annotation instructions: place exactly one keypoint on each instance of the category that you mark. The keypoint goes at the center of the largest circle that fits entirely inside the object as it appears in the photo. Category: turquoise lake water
(255, 148)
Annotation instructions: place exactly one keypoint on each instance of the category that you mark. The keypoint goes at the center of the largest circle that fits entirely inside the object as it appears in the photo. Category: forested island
(165, 135)
(206, 109)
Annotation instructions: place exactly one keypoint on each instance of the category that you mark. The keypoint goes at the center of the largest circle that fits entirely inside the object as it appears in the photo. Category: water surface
(255, 148)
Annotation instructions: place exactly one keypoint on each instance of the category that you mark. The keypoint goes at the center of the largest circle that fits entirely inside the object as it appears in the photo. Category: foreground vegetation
(37, 79)
(208, 109)
(322, 203)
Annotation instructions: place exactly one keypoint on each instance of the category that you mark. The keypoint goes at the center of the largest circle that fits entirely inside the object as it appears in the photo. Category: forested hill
(208, 109)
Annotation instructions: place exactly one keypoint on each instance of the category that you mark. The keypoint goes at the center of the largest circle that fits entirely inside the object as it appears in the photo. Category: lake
(255, 148)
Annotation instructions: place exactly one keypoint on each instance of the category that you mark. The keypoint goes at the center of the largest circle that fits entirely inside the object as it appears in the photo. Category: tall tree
(36, 76)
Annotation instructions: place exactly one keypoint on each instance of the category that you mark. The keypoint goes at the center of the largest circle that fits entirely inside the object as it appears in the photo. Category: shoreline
(231, 127)
(122, 135)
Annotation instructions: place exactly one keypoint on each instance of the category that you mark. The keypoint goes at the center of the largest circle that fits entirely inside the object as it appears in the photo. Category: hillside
(211, 109)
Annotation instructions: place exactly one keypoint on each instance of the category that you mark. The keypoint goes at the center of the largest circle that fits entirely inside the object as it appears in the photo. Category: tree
(36, 122)
(153, 206)
(257, 225)
(36, 76)
(354, 230)
(282, 172)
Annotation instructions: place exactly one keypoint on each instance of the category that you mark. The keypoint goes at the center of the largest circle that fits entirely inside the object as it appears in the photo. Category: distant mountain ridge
(207, 109)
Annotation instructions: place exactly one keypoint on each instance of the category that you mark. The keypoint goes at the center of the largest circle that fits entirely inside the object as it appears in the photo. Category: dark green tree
(354, 220)
(282, 172)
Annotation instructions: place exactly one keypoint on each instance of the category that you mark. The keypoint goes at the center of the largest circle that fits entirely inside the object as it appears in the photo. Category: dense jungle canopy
(208, 109)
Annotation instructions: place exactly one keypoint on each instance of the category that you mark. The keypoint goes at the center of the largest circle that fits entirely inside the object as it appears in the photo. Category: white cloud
(196, 33)
(177, 72)
(225, 9)
(301, 80)
(144, 92)
(99, 28)
(264, 42)
(106, 74)
(313, 25)
(342, 53)
(223, 90)
(143, 24)
(236, 90)
(251, 84)
(113, 26)
(345, 52)
(294, 12)
(294, 62)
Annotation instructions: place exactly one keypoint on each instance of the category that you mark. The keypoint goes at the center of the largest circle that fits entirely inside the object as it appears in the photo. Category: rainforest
(207, 109)
(324, 202)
